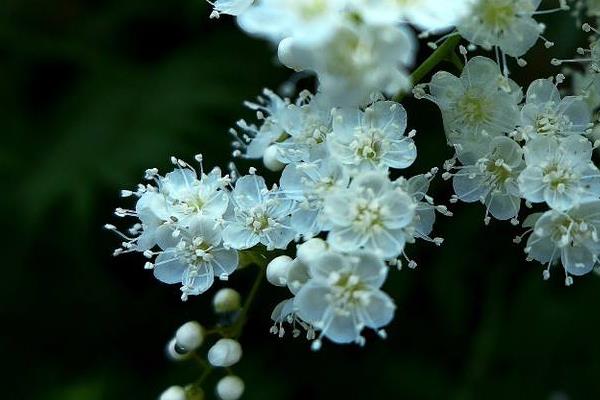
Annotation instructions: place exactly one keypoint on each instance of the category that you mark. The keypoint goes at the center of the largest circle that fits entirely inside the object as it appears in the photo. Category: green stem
(442, 53)
(236, 331)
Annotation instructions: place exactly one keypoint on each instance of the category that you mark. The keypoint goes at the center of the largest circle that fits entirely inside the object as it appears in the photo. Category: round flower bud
(310, 250)
(174, 353)
(189, 336)
(271, 161)
(225, 353)
(173, 393)
(278, 270)
(226, 301)
(194, 392)
(230, 388)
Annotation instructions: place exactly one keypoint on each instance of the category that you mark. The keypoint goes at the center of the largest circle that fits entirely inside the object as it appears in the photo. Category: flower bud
(173, 393)
(225, 353)
(226, 301)
(310, 250)
(189, 336)
(174, 353)
(278, 270)
(230, 388)
(270, 159)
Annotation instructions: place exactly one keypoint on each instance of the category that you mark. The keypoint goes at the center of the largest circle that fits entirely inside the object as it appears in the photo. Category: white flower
(371, 214)
(230, 7)
(356, 62)
(545, 114)
(505, 24)
(261, 216)
(306, 125)
(254, 141)
(343, 296)
(430, 15)
(372, 139)
(422, 224)
(193, 257)
(309, 183)
(178, 198)
(492, 179)
(307, 21)
(571, 237)
(559, 172)
(476, 107)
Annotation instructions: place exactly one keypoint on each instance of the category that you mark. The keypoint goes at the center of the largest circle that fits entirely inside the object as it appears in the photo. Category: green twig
(442, 53)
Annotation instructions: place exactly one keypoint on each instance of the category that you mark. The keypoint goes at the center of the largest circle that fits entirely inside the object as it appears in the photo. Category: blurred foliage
(94, 92)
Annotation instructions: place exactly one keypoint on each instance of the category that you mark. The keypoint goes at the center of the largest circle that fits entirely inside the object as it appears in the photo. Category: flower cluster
(533, 147)
(340, 212)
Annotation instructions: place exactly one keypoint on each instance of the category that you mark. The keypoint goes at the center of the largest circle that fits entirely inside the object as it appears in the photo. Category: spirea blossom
(570, 237)
(261, 216)
(343, 296)
(559, 173)
(372, 214)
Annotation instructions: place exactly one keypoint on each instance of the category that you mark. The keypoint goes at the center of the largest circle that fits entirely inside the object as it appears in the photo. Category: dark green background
(94, 92)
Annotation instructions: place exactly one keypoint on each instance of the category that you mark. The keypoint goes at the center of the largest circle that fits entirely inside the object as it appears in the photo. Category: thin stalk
(442, 53)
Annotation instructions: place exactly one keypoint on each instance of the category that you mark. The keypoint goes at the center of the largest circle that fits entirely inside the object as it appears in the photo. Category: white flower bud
(270, 159)
(230, 388)
(173, 393)
(226, 300)
(225, 353)
(189, 336)
(278, 270)
(172, 352)
(310, 250)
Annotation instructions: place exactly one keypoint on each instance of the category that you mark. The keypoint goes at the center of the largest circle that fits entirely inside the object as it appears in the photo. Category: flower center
(550, 123)
(497, 15)
(473, 107)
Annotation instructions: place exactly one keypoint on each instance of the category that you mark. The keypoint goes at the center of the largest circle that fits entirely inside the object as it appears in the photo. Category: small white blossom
(356, 62)
(307, 21)
(559, 173)
(372, 139)
(430, 15)
(476, 107)
(545, 114)
(309, 183)
(492, 179)
(570, 237)
(261, 216)
(306, 125)
(372, 214)
(194, 258)
(343, 296)
(505, 24)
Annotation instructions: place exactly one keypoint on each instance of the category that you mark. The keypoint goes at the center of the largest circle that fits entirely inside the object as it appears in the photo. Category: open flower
(559, 173)
(546, 114)
(261, 216)
(343, 296)
(194, 257)
(571, 237)
(372, 214)
(491, 178)
(371, 139)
